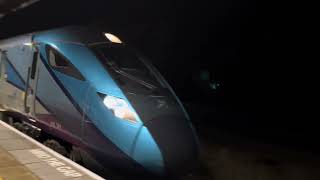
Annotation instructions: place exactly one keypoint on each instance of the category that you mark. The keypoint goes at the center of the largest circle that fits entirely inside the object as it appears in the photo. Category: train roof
(15, 41)
(71, 34)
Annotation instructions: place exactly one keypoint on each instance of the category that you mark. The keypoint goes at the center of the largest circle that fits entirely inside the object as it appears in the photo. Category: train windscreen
(128, 69)
(144, 87)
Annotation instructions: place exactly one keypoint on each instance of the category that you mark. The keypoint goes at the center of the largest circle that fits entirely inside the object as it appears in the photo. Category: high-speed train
(90, 90)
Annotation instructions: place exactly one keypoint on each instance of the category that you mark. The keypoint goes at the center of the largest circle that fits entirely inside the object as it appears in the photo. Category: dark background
(252, 51)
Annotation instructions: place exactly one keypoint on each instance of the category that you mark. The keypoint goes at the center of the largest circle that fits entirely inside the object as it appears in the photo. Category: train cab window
(59, 63)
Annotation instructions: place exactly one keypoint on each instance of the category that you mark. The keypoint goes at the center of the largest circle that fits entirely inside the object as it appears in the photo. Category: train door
(3, 75)
(2, 67)
(31, 85)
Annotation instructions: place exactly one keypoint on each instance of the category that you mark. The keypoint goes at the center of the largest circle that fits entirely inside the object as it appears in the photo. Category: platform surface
(23, 158)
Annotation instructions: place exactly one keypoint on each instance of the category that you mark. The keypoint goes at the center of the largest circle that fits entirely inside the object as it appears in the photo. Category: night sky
(233, 63)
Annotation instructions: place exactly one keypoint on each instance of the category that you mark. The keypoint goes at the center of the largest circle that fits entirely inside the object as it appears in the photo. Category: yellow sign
(1, 178)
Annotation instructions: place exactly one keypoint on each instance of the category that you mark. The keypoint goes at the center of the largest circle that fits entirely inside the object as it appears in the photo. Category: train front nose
(175, 148)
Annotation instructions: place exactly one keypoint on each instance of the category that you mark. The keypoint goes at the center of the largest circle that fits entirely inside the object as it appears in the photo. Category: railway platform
(23, 158)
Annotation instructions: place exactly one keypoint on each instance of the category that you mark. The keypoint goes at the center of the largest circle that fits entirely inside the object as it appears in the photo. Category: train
(98, 98)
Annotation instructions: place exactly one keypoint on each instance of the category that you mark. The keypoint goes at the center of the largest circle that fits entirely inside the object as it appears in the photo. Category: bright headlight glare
(113, 38)
(120, 108)
(113, 102)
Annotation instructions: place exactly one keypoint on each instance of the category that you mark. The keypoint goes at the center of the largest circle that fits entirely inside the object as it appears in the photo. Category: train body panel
(83, 99)
(97, 95)
(63, 115)
(13, 72)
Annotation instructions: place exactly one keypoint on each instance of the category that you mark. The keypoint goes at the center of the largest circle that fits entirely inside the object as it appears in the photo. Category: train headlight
(113, 38)
(120, 108)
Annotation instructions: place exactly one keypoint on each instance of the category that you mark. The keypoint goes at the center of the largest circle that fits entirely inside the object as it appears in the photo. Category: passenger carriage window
(60, 63)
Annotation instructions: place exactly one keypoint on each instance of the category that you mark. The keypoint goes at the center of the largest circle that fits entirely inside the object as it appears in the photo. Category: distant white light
(28, 44)
(112, 38)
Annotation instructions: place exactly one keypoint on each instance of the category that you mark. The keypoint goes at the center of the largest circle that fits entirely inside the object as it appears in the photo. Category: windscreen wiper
(129, 76)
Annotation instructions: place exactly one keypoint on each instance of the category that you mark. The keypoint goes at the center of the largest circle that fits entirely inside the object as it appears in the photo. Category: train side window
(56, 60)
(60, 63)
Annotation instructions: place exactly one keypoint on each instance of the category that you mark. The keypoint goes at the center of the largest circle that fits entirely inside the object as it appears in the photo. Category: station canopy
(9, 6)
